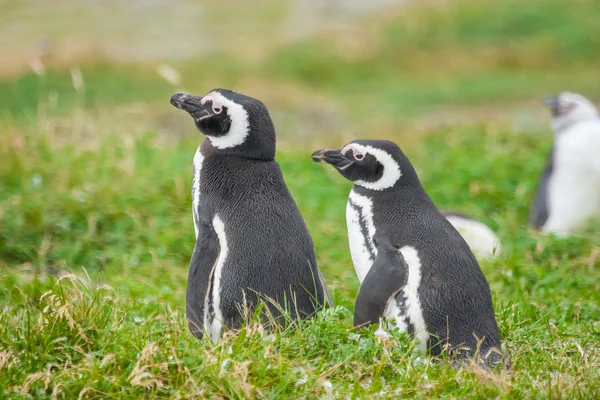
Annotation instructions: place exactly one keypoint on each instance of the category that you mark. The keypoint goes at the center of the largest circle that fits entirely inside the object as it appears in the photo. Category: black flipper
(387, 276)
(204, 258)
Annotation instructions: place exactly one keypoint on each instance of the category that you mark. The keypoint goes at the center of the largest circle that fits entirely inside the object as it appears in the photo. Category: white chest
(574, 187)
(197, 167)
(359, 218)
(213, 316)
(405, 311)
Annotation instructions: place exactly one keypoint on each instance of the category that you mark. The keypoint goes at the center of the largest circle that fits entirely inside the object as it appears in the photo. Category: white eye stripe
(355, 153)
(391, 169)
(240, 126)
(217, 103)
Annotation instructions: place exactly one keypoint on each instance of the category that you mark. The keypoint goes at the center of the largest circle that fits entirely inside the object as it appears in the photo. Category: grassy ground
(95, 221)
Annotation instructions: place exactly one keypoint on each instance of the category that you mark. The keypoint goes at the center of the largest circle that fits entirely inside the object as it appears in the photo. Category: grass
(96, 232)
(121, 332)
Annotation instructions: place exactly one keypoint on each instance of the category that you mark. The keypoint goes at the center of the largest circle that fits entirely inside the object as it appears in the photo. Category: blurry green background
(95, 171)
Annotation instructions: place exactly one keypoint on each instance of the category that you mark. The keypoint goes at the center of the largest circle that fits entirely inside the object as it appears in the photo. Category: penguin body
(569, 191)
(481, 239)
(410, 260)
(251, 241)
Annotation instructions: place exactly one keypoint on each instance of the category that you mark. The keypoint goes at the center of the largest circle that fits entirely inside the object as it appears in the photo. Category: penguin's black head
(372, 164)
(232, 121)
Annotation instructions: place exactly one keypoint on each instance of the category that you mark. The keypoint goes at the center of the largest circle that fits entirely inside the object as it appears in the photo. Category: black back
(270, 253)
(246, 220)
(455, 296)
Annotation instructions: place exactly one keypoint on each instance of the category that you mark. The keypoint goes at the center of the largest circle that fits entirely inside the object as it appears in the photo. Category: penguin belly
(572, 201)
(574, 187)
(405, 312)
(213, 314)
(359, 218)
(197, 167)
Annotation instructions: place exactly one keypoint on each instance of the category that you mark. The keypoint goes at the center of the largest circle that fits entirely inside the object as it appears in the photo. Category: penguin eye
(348, 151)
(215, 104)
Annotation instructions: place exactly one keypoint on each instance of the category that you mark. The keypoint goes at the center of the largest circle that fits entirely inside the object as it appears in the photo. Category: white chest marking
(359, 218)
(197, 166)
(410, 311)
(361, 229)
(481, 239)
(213, 322)
(574, 186)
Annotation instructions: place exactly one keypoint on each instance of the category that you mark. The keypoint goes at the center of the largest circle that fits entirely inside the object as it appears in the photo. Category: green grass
(130, 228)
(96, 232)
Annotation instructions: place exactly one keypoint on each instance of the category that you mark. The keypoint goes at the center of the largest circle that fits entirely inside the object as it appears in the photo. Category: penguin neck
(409, 182)
(407, 195)
(560, 124)
(395, 190)
(247, 150)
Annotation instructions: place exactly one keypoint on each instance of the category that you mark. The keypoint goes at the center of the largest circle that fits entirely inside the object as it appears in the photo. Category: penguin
(251, 241)
(481, 239)
(415, 269)
(568, 193)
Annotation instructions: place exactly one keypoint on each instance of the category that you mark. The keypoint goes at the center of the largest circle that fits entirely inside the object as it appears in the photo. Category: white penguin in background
(569, 192)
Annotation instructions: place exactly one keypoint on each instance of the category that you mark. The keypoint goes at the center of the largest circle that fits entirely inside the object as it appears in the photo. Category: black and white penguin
(251, 241)
(481, 239)
(569, 191)
(415, 269)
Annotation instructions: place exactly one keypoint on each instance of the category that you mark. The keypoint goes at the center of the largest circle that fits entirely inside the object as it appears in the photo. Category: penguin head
(232, 122)
(568, 108)
(372, 164)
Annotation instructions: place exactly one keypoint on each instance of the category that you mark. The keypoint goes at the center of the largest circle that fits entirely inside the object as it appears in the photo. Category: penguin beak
(192, 104)
(331, 156)
(553, 104)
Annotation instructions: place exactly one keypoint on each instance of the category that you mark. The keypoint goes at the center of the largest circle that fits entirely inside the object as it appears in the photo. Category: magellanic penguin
(569, 191)
(481, 239)
(415, 269)
(251, 241)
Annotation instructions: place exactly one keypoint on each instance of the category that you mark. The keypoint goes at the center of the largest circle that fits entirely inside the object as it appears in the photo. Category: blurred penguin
(481, 239)
(569, 191)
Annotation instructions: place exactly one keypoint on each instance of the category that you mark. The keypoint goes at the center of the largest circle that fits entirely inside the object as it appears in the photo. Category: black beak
(331, 156)
(553, 104)
(192, 104)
